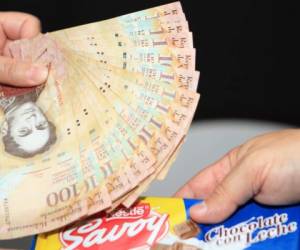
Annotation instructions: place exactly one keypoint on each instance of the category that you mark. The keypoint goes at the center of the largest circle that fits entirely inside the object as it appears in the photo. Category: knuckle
(37, 21)
(34, 20)
(262, 162)
(222, 191)
(259, 157)
(225, 165)
(233, 156)
(9, 70)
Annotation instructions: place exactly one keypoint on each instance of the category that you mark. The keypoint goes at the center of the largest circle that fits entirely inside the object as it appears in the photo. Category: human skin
(266, 169)
(15, 26)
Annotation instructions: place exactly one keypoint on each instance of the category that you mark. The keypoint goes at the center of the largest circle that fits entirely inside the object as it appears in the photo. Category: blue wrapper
(164, 224)
(259, 227)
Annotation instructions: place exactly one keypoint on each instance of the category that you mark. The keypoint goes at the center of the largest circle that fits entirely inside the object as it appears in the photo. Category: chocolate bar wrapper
(164, 224)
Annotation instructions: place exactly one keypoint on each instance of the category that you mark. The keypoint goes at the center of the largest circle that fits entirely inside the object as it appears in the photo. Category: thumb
(18, 73)
(234, 190)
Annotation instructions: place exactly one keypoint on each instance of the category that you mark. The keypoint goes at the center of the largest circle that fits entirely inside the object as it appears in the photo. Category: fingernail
(37, 74)
(199, 210)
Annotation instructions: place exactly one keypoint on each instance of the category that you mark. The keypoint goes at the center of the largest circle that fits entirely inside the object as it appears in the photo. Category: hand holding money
(110, 119)
(15, 26)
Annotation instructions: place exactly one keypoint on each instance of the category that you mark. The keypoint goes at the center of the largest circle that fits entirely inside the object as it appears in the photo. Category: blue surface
(251, 212)
(33, 243)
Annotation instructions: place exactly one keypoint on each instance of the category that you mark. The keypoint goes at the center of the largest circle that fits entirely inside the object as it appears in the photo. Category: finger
(233, 191)
(18, 73)
(17, 25)
(3, 38)
(204, 183)
(6, 49)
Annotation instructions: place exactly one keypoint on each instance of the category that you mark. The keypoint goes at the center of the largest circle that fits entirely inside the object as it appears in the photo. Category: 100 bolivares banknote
(111, 118)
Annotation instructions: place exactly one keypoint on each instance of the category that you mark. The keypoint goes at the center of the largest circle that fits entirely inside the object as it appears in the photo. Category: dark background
(235, 54)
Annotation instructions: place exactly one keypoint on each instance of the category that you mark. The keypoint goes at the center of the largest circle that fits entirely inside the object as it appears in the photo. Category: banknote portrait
(25, 129)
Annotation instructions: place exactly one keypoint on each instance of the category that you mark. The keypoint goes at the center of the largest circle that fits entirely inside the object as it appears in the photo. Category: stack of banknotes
(111, 118)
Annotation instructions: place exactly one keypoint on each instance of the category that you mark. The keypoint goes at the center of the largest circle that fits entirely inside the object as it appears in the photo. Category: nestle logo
(137, 211)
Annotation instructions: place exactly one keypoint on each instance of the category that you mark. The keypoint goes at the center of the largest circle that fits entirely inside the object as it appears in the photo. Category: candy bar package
(164, 224)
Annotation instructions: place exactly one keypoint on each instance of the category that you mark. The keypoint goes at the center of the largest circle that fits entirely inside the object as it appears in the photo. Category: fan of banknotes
(115, 110)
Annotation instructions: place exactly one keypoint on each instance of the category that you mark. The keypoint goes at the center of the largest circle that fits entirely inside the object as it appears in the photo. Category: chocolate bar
(159, 246)
(187, 229)
(183, 246)
(175, 246)
(149, 224)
